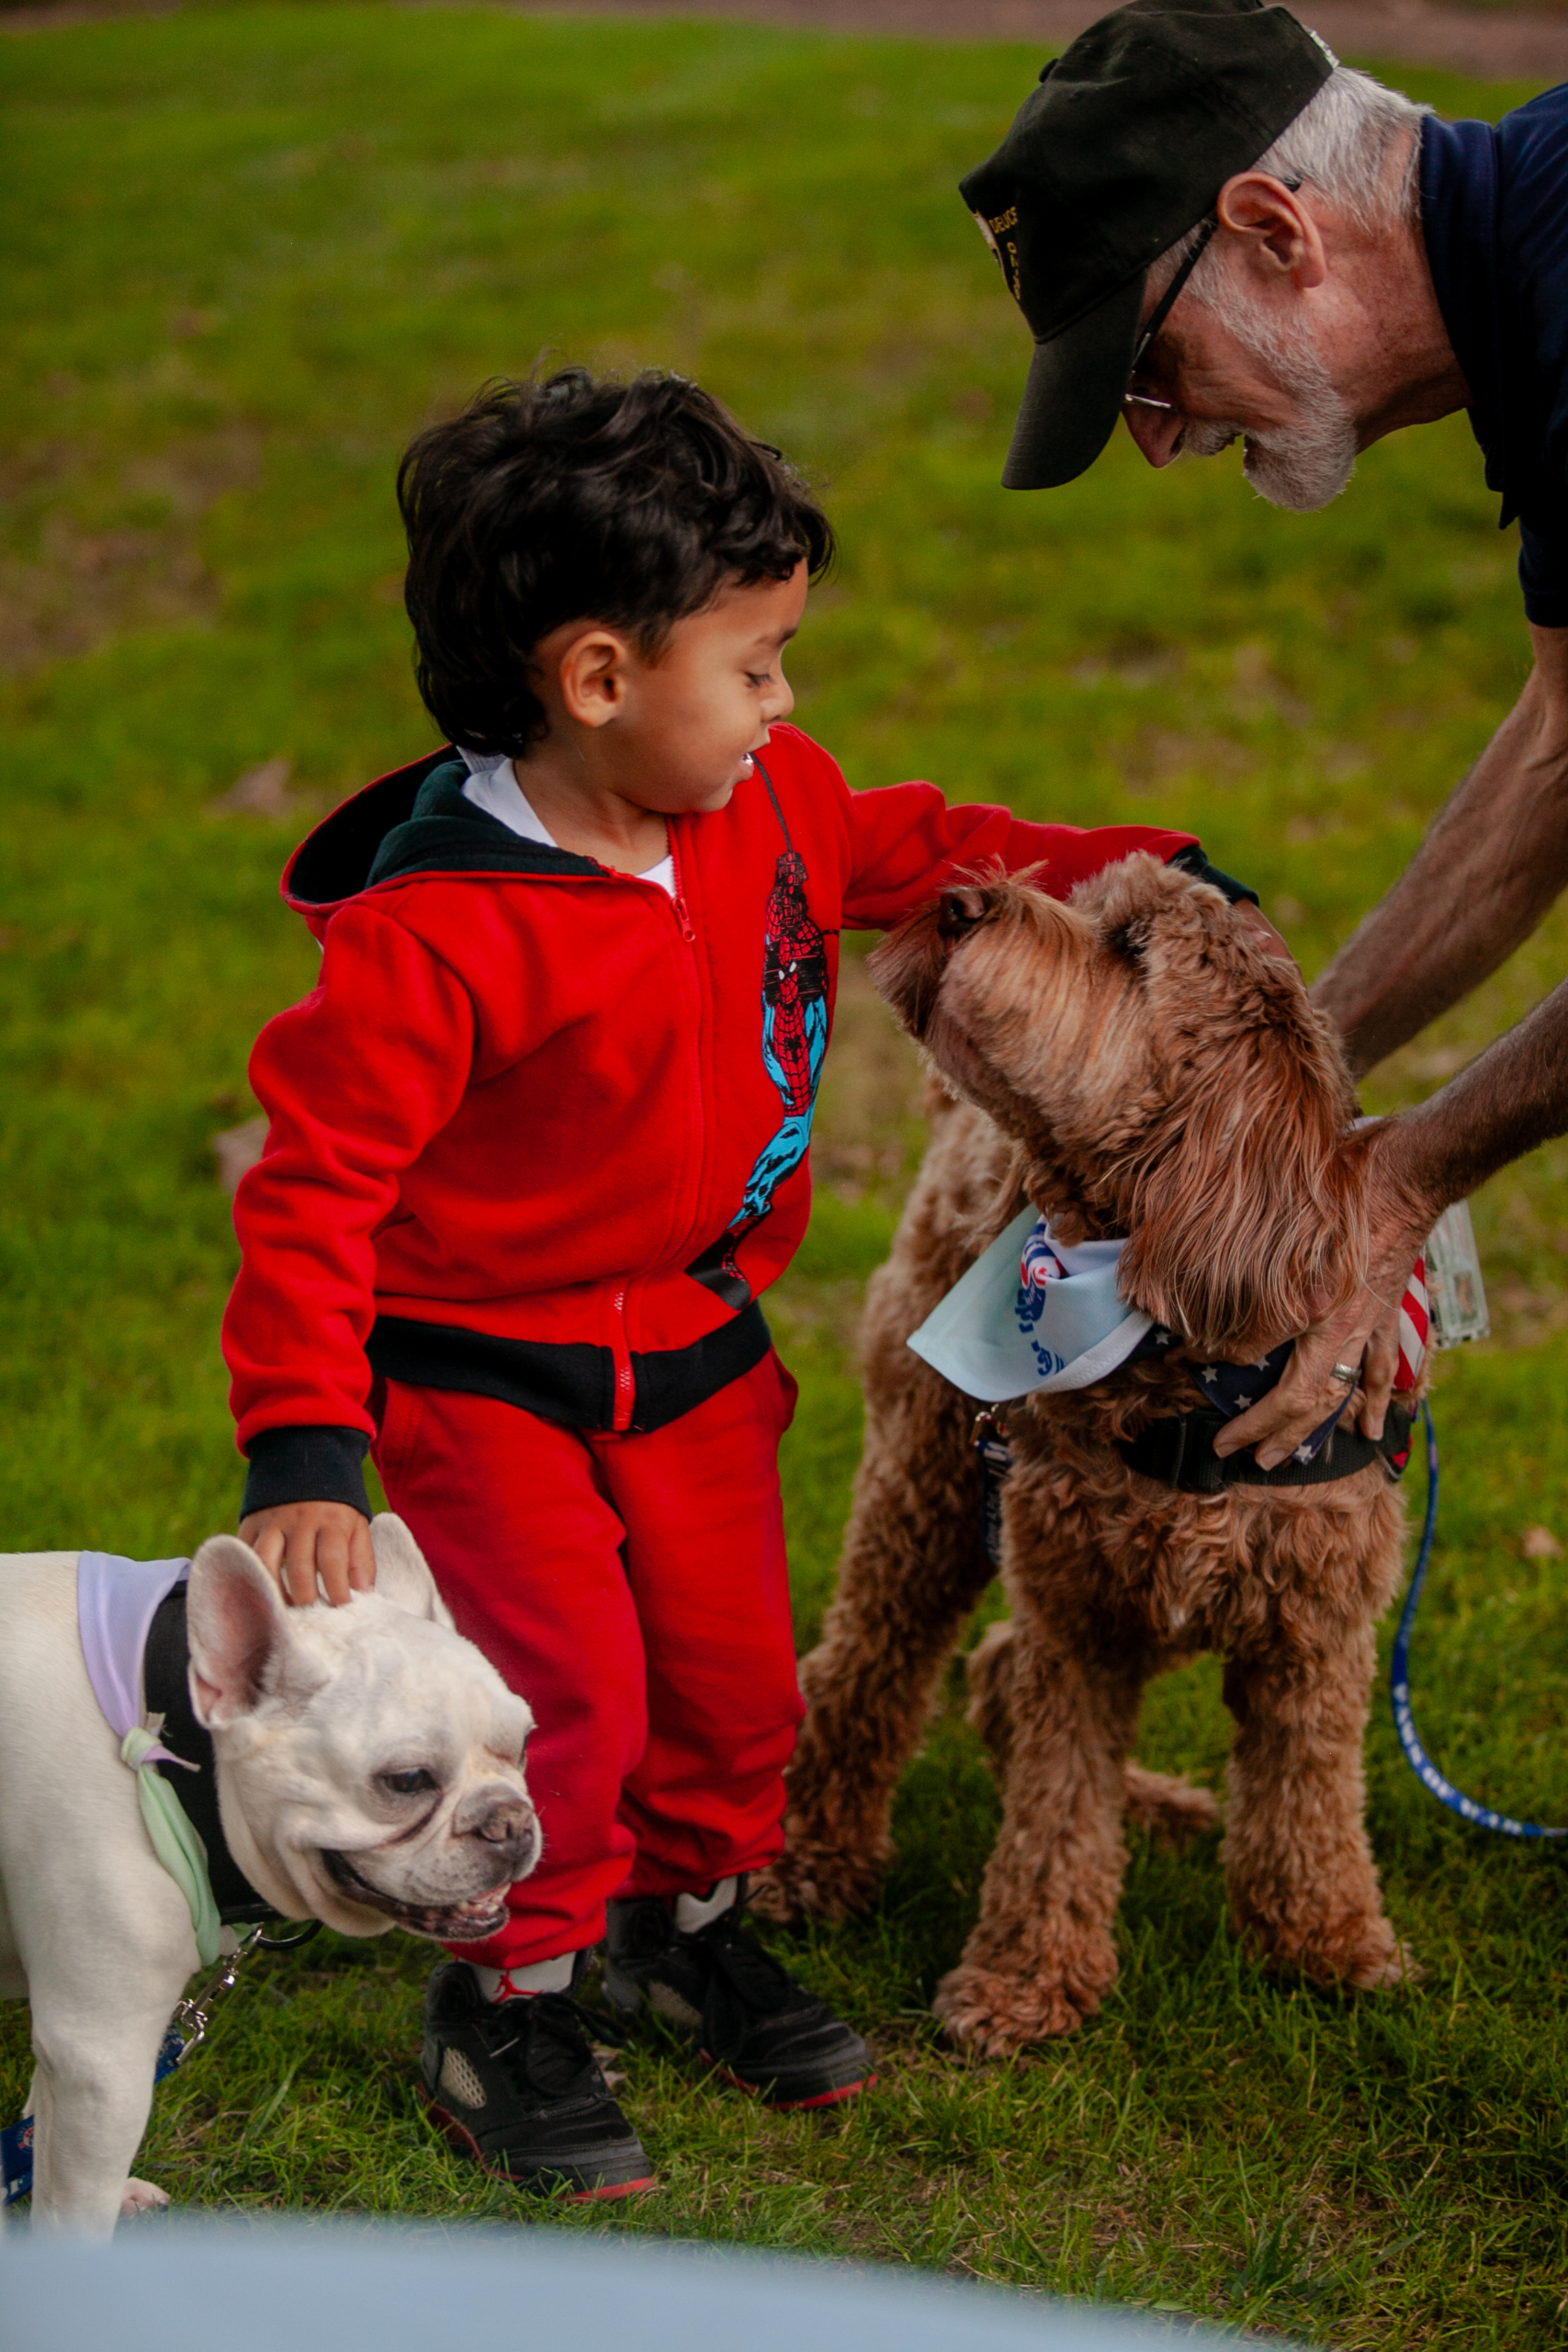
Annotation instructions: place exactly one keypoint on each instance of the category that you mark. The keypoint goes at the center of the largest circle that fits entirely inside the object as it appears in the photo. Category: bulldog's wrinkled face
(1166, 1079)
(370, 1760)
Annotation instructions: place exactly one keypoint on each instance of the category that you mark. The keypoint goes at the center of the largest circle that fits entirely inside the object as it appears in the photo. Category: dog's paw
(142, 2196)
(1171, 1811)
(992, 2015)
(1380, 1967)
(772, 1896)
(817, 1879)
(1361, 1953)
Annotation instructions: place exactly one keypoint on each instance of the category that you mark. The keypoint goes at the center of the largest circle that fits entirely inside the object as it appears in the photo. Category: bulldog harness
(130, 1615)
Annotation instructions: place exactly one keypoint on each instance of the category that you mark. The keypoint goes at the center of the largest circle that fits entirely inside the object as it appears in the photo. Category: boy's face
(675, 735)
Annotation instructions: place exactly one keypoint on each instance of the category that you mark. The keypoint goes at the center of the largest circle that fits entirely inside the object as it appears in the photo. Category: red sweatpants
(634, 1590)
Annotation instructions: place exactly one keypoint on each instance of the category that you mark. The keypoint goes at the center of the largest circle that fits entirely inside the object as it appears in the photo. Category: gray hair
(1339, 143)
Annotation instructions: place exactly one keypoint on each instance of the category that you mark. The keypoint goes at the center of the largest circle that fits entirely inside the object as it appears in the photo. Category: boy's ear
(591, 672)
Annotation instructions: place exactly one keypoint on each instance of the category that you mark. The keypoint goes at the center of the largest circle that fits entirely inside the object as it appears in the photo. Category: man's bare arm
(1513, 1097)
(1488, 872)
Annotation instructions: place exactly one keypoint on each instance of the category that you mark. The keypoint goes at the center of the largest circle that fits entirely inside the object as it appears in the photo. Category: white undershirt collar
(493, 785)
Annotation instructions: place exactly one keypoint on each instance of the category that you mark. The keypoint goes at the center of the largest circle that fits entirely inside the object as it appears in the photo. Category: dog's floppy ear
(402, 1576)
(236, 1620)
(1252, 1222)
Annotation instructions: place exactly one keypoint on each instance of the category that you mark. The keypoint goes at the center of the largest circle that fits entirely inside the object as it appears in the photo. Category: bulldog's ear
(236, 1627)
(401, 1575)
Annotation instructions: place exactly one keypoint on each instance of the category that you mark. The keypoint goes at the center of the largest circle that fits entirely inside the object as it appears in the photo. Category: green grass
(250, 251)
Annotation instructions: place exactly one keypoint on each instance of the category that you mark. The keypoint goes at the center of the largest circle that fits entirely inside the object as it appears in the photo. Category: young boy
(538, 1143)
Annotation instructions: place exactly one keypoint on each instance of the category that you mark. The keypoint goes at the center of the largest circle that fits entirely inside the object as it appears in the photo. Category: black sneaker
(514, 2084)
(713, 1983)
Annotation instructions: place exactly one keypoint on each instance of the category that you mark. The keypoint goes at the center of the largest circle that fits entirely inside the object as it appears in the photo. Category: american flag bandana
(1035, 1315)
(1231, 1388)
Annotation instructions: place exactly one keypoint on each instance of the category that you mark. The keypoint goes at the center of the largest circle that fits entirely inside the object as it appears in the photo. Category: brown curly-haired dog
(1133, 1062)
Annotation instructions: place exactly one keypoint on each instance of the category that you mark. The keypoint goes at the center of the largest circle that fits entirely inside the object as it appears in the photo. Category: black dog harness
(166, 1680)
(1178, 1451)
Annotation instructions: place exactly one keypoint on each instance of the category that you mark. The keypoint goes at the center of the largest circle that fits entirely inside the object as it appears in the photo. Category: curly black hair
(580, 497)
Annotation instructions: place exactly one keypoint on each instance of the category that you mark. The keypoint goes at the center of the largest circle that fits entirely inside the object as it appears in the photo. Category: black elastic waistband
(1180, 1452)
(568, 1381)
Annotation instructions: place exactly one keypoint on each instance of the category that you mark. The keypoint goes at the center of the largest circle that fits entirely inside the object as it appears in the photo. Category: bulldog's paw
(993, 2016)
(142, 2196)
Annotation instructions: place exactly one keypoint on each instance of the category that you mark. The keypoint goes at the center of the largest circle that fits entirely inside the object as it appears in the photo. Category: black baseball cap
(1121, 149)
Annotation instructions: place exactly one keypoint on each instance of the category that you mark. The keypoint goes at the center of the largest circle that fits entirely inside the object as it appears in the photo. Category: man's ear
(236, 1623)
(1271, 219)
(402, 1576)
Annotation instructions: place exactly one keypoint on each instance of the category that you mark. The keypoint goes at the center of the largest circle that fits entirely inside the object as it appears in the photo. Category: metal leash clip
(187, 2027)
(989, 1440)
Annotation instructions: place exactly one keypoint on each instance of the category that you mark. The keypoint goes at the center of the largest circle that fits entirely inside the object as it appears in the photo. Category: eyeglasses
(1162, 312)
(1206, 227)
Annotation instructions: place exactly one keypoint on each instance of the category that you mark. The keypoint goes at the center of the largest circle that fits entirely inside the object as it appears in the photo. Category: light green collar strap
(175, 1840)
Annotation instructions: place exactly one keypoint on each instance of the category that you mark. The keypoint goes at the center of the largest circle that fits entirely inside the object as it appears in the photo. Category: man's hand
(1514, 1096)
(1367, 1329)
(306, 1544)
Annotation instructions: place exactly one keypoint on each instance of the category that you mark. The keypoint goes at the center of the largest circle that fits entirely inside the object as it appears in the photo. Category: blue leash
(1480, 1816)
(17, 2139)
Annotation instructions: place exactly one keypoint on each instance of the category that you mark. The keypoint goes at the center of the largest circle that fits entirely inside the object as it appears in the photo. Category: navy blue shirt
(1495, 213)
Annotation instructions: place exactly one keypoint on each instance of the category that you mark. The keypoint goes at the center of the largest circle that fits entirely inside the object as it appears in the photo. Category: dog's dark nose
(499, 1819)
(959, 912)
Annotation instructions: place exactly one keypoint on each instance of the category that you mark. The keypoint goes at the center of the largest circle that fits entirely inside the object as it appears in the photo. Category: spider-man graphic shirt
(794, 1043)
(540, 1130)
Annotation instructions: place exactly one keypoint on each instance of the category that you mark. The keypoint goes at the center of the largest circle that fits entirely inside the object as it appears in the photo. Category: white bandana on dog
(1032, 1316)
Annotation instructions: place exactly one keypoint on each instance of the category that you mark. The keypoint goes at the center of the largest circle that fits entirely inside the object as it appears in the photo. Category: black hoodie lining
(416, 821)
(571, 1382)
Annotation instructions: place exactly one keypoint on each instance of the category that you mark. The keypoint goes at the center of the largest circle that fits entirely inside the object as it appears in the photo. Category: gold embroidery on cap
(1006, 261)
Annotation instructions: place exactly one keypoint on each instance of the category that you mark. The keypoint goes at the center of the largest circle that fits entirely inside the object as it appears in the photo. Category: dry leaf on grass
(237, 1148)
(261, 792)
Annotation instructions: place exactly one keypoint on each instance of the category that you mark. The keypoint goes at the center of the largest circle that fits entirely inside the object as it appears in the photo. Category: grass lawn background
(250, 251)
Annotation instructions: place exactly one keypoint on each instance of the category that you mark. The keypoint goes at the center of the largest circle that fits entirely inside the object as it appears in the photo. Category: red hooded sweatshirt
(540, 1131)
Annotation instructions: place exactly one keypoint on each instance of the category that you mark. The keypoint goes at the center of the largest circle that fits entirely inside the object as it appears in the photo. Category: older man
(1216, 230)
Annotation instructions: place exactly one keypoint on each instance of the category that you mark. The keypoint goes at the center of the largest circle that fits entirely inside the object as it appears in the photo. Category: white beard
(1304, 466)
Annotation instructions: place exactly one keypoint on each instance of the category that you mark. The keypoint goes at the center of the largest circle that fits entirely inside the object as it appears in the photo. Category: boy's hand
(306, 1543)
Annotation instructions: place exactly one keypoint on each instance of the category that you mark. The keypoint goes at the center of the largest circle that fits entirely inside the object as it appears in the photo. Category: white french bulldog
(369, 1771)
